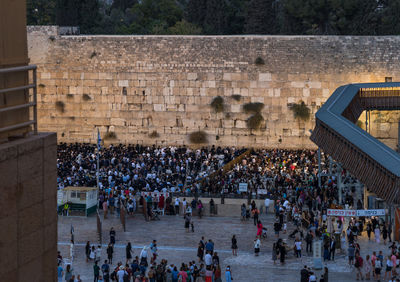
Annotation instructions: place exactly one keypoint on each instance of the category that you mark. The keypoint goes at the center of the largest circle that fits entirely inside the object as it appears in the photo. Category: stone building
(28, 172)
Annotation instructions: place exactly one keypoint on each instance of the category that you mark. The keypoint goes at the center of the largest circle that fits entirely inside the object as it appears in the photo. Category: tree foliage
(319, 17)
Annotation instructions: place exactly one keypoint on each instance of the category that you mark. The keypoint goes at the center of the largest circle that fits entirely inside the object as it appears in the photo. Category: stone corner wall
(28, 203)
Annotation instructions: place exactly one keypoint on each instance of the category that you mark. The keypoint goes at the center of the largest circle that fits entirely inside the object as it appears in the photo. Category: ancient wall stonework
(134, 85)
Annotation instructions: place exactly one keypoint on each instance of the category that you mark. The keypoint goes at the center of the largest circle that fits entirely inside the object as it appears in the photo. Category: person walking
(309, 240)
(358, 264)
(332, 249)
(297, 247)
(259, 229)
(266, 203)
(96, 271)
(128, 250)
(243, 212)
(60, 272)
(377, 233)
(378, 269)
(324, 277)
(228, 274)
(257, 245)
(112, 236)
(87, 251)
(304, 274)
(274, 252)
(177, 201)
(384, 234)
(369, 230)
(234, 245)
(350, 253)
(68, 273)
(110, 252)
(389, 267)
(105, 269)
(367, 268)
(200, 252)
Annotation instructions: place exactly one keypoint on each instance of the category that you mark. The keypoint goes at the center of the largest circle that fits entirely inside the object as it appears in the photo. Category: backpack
(113, 276)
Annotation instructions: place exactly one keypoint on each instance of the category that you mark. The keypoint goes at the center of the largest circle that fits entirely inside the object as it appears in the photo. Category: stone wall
(134, 85)
(28, 233)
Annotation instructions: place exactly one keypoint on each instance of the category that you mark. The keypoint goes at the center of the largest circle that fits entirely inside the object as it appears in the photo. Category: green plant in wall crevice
(300, 111)
(218, 104)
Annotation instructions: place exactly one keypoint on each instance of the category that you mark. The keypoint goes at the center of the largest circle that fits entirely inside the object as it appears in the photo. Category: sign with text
(242, 187)
(262, 191)
(332, 212)
(317, 254)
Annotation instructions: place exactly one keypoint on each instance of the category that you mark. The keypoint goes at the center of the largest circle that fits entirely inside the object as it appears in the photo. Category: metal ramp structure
(372, 162)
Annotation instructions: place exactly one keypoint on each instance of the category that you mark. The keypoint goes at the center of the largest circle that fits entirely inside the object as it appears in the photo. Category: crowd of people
(147, 267)
(286, 179)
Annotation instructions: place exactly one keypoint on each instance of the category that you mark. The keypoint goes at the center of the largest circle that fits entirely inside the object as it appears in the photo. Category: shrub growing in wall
(236, 97)
(110, 136)
(154, 134)
(86, 97)
(198, 137)
(259, 61)
(301, 111)
(253, 107)
(60, 106)
(218, 104)
(254, 122)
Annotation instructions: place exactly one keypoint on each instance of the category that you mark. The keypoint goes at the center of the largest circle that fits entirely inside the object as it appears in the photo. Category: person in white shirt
(266, 202)
(177, 200)
(297, 245)
(208, 259)
(257, 245)
(312, 277)
(121, 273)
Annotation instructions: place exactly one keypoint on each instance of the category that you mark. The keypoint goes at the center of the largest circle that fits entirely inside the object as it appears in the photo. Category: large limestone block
(265, 77)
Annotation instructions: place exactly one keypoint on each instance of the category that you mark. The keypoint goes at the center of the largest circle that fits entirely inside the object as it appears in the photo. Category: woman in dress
(367, 267)
(243, 212)
(234, 245)
(128, 252)
(377, 233)
(217, 274)
(110, 251)
(87, 251)
(259, 229)
(274, 252)
(200, 252)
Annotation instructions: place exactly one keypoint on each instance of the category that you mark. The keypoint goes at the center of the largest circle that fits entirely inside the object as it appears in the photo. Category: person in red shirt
(161, 202)
(183, 274)
(359, 266)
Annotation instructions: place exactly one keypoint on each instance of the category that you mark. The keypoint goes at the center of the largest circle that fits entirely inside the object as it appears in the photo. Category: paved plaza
(177, 246)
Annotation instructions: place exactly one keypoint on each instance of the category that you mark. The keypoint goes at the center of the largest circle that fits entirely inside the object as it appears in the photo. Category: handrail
(33, 103)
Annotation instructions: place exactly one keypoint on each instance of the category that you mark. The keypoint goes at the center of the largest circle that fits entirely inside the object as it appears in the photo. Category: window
(124, 91)
(388, 79)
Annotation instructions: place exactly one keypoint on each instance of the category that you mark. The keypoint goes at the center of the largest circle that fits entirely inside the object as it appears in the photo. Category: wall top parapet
(57, 30)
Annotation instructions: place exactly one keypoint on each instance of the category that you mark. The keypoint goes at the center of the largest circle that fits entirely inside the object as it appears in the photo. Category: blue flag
(98, 140)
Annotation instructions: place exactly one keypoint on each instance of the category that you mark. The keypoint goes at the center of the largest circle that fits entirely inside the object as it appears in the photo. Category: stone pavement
(177, 246)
